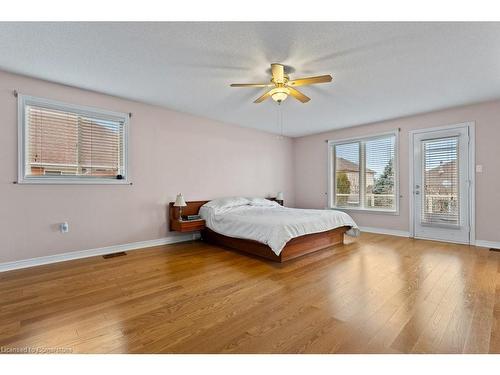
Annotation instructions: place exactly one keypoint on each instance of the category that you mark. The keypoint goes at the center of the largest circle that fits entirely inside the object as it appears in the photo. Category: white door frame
(471, 126)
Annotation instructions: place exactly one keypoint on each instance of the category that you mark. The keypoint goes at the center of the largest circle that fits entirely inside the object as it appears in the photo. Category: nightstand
(187, 226)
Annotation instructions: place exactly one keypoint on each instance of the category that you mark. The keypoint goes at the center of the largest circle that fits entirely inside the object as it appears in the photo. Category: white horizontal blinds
(53, 142)
(365, 173)
(440, 195)
(65, 143)
(100, 147)
(380, 178)
(347, 174)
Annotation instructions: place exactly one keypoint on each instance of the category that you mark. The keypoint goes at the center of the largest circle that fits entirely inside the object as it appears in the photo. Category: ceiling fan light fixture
(279, 94)
(282, 86)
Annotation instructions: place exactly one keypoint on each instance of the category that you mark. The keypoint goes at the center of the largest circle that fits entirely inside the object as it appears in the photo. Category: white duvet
(274, 225)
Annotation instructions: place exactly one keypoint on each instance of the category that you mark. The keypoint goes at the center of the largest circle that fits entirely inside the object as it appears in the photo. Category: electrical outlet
(64, 227)
(479, 168)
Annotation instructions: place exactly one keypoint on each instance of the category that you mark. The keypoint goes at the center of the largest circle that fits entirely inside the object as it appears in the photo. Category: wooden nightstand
(187, 226)
(192, 208)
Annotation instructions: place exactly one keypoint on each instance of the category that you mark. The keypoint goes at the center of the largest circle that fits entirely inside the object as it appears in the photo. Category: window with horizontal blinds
(52, 142)
(347, 175)
(67, 143)
(440, 193)
(364, 173)
(100, 147)
(379, 172)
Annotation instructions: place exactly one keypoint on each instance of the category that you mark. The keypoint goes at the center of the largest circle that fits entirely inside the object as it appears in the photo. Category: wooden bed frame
(294, 248)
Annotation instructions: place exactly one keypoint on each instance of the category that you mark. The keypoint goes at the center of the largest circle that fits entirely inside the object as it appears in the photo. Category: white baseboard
(490, 244)
(25, 263)
(391, 232)
(402, 233)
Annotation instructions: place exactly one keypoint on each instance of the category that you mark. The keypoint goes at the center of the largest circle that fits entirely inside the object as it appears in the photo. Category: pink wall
(173, 152)
(310, 162)
(170, 152)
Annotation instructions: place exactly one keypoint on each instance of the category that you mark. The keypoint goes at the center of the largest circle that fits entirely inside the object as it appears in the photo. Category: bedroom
(214, 187)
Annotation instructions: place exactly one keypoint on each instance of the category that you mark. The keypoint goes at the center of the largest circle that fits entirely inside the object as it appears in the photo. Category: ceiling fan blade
(263, 97)
(278, 72)
(310, 80)
(298, 95)
(251, 85)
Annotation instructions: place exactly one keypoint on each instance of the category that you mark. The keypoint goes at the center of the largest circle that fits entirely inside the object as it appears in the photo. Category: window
(440, 195)
(64, 143)
(363, 173)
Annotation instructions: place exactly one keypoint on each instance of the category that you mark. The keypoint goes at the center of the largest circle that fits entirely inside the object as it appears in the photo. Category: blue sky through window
(378, 153)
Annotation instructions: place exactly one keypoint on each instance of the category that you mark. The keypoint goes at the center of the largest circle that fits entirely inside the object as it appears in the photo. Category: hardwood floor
(376, 294)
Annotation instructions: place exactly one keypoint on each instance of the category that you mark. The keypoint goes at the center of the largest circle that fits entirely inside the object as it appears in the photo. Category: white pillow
(225, 203)
(262, 202)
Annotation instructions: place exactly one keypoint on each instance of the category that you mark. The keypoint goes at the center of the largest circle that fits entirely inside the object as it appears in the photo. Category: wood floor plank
(375, 294)
(495, 331)
(478, 338)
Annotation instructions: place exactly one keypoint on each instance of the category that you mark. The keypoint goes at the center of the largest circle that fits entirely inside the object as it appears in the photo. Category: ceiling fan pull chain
(278, 116)
(281, 120)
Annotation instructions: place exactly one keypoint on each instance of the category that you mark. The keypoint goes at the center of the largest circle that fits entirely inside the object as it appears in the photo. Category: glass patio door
(441, 185)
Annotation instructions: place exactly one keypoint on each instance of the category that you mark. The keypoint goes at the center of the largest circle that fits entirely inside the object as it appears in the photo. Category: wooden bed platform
(294, 248)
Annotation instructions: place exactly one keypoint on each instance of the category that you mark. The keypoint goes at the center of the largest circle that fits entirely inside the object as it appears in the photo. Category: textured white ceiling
(381, 70)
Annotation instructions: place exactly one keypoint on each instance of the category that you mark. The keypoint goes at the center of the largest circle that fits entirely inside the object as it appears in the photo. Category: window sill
(73, 181)
(367, 211)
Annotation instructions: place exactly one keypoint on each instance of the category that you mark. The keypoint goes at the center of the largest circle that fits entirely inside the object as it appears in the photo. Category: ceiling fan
(282, 86)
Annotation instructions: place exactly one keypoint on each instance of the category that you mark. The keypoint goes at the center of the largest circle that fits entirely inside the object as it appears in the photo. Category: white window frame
(332, 180)
(26, 100)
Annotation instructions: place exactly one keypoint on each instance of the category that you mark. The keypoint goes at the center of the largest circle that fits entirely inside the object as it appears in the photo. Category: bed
(264, 228)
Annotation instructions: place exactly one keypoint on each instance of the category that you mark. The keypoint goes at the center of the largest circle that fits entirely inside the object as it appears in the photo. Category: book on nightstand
(191, 217)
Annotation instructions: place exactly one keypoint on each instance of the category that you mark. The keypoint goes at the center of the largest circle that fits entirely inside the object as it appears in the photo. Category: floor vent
(492, 249)
(114, 255)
